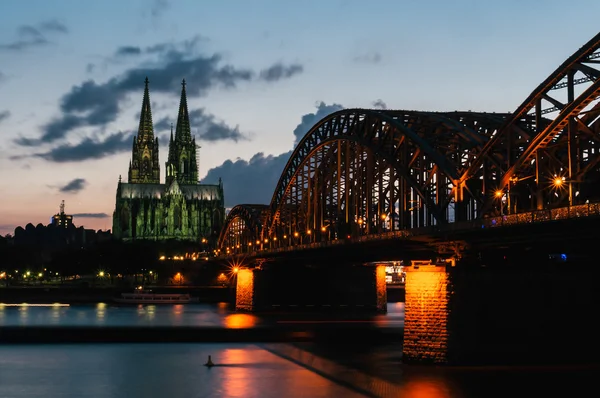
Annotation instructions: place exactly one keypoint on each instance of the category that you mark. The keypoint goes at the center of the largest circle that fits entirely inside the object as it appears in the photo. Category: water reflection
(55, 315)
(222, 308)
(100, 312)
(426, 388)
(238, 378)
(23, 314)
(189, 315)
(156, 370)
(240, 321)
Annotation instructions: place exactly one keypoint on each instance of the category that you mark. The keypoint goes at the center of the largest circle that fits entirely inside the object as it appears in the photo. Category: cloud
(205, 127)
(4, 115)
(73, 186)
(92, 104)
(53, 26)
(87, 149)
(250, 181)
(128, 50)
(372, 57)
(91, 215)
(310, 119)
(379, 104)
(159, 7)
(254, 181)
(34, 35)
(279, 71)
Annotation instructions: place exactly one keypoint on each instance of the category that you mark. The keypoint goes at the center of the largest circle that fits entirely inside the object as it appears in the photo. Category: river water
(247, 370)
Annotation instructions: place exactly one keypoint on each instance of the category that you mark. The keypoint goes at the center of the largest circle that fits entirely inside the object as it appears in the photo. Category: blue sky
(259, 74)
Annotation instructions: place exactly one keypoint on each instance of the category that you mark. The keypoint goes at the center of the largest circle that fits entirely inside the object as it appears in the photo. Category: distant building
(181, 208)
(61, 219)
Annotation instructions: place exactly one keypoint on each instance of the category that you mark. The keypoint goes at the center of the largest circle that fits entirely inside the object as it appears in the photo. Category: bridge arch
(242, 228)
(561, 140)
(390, 150)
(382, 170)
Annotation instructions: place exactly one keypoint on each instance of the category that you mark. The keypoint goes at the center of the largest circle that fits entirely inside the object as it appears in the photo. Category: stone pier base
(501, 316)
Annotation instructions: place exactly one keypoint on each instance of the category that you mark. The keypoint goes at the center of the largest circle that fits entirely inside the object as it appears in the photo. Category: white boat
(147, 297)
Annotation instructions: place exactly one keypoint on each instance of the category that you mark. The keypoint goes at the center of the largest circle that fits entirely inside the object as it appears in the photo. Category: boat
(141, 296)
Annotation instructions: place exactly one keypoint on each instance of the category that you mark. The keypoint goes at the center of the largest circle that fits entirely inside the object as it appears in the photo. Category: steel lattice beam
(364, 171)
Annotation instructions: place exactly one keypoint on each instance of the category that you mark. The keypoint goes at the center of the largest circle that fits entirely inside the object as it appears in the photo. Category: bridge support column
(529, 313)
(426, 311)
(245, 290)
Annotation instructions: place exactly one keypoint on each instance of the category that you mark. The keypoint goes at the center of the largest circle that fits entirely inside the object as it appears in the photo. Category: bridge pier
(300, 288)
(525, 314)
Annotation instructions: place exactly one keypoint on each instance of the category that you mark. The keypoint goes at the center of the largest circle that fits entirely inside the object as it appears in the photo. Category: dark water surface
(156, 370)
(326, 369)
(196, 315)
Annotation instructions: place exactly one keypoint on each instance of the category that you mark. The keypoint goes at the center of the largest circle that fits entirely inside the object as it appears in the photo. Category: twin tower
(182, 164)
(179, 209)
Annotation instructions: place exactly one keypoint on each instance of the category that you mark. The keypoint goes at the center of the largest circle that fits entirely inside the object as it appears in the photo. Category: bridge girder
(362, 171)
(242, 227)
(562, 114)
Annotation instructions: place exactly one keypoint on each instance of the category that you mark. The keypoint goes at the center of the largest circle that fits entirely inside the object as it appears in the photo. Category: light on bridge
(383, 216)
(558, 181)
(498, 193)
(309, 232)
(295, 234)
(323, 229)
(266, 240)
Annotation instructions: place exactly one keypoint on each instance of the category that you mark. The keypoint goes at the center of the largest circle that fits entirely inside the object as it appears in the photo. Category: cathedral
(181, 208)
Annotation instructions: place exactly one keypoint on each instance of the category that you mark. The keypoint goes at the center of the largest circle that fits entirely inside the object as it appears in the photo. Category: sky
(259, 74)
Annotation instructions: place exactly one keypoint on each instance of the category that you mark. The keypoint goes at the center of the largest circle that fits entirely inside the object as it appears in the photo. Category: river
(365, 368)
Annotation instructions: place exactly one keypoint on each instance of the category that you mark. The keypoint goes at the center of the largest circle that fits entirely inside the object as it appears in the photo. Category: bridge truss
(361, 172)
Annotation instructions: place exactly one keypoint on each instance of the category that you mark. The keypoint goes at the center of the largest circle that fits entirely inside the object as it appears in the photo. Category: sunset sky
(259, 75)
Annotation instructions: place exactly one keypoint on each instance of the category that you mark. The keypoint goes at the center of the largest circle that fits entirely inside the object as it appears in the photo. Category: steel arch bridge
(365, 171)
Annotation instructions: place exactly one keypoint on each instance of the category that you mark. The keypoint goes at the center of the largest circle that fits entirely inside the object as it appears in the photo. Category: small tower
(144, 166)
(61, 219)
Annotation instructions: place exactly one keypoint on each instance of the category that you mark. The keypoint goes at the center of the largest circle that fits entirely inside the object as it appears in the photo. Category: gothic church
(181, 208)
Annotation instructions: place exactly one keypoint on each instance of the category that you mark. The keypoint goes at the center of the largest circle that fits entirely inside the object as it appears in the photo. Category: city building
(61, 219)
(181, 208)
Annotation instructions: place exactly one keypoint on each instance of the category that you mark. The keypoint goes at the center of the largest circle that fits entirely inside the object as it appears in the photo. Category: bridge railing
(537, 216)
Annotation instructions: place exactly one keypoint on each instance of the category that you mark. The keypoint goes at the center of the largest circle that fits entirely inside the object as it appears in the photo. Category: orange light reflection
(240, 321)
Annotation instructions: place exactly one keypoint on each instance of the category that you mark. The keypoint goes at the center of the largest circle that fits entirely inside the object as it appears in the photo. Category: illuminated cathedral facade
(181, 208)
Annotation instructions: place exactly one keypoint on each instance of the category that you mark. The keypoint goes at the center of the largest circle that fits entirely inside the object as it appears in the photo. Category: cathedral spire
(181, 164)
(144, 166)
(146, 128)
(182, 130)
